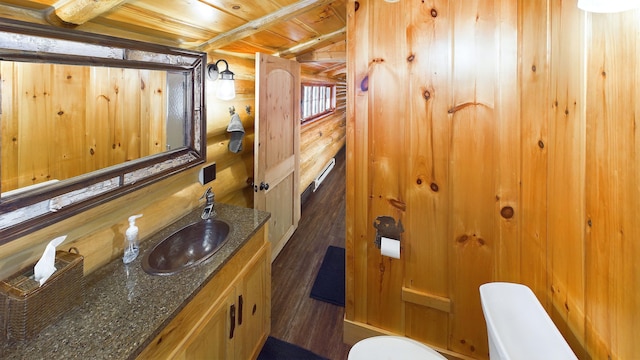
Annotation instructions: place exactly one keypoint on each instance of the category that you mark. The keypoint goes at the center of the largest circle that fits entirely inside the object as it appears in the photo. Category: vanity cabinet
(230, 317)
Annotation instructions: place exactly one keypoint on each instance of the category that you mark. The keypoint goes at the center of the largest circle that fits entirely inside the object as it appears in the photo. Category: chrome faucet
(208, 210)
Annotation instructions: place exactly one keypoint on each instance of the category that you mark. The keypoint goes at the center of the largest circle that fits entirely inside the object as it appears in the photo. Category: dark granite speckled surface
(125, 308)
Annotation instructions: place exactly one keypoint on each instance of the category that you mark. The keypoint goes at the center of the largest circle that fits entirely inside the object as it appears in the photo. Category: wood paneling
(427, 190)
(566, 181)
(612, 192)
(62, 121)
(473, 158)
(385, 143)
(534, 87)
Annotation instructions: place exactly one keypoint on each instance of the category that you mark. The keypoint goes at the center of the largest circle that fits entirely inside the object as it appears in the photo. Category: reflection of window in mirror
(62, 121)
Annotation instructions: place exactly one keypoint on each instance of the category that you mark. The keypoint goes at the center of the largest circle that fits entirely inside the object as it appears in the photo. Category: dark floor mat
(329, 284)
(275, 349)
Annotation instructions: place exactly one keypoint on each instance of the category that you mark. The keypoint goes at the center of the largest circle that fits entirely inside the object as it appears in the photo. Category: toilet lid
(391, 347)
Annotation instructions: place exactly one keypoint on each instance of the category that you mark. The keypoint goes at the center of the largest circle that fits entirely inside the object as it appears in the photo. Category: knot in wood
(507, 212)
(364, 84)
(426, 95)
(434, 187)
(434, 13)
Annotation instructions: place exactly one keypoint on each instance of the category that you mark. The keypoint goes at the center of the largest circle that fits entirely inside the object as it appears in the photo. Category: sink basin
(187, 247)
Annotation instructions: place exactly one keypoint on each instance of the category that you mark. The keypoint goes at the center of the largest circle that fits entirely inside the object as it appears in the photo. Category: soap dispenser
(131, 247)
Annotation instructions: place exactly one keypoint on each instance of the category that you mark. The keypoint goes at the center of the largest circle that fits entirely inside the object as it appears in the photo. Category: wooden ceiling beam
(310, 44)
(78, 12)
(252, 27)
(334, 70)
(323, 57)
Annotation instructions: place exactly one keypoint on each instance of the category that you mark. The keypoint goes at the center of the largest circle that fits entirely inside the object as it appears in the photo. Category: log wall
(320, 140)
(502, 135)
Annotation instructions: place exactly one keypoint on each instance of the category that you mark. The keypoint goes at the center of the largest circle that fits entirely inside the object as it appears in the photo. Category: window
(317, 100)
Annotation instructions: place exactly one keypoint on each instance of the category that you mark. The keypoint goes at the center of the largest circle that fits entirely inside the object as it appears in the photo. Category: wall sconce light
(226, 84)
(608, 6)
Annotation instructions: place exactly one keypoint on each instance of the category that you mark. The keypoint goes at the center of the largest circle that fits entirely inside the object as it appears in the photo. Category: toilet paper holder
(386, 227)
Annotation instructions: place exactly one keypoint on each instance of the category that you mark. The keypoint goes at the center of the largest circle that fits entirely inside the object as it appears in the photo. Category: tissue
(45, 266)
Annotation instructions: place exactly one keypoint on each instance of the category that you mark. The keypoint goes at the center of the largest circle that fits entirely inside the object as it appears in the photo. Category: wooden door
(277, 150)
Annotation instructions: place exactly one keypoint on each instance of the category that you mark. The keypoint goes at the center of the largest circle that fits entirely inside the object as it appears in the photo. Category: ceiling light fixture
(608, 6)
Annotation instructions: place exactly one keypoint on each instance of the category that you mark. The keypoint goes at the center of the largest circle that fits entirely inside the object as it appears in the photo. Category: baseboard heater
(323, 174)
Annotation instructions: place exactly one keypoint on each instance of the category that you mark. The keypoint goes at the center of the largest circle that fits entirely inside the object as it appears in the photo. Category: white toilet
(392, 347)
(518, 326)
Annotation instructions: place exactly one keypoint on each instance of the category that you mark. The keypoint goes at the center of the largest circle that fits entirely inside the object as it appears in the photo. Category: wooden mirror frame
(23, 213)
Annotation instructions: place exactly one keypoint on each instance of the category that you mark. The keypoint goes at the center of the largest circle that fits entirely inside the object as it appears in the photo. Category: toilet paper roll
(390, 247)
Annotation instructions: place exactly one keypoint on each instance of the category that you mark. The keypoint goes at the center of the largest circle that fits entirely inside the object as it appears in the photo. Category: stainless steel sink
(187, 247)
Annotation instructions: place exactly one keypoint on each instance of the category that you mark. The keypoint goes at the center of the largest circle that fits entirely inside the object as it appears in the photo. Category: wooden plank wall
(612, 248)
(502, 135)
(61, 121)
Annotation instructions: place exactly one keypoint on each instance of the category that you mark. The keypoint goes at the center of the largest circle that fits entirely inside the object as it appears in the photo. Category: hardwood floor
(295, 317)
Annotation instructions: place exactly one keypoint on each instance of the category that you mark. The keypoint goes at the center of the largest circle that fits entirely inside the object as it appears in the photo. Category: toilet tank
(518, 326)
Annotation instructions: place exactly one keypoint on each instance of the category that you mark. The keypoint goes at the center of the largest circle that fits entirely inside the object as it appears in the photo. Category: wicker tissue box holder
(26, 308)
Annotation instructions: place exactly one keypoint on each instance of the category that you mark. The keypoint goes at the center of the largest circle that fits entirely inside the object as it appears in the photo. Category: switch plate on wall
(207, 173)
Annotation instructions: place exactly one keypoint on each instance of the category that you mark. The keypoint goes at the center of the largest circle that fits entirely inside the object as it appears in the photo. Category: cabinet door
(254, 304)
(213, 338)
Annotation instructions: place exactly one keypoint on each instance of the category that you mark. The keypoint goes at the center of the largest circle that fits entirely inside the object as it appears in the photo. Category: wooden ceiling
(312, 31)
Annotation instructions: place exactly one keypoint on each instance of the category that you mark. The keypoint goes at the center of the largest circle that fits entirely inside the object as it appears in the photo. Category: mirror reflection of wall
(62, 121)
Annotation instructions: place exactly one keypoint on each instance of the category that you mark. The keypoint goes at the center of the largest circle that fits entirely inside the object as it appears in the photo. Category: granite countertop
(125, 308)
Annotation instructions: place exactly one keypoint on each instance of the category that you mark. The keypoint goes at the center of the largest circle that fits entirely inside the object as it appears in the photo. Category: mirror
(86, 118)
